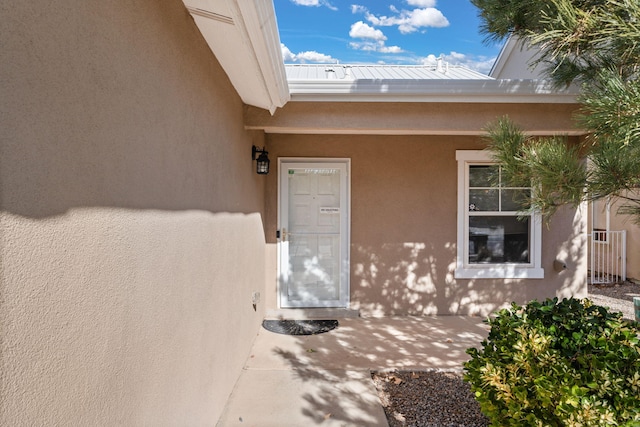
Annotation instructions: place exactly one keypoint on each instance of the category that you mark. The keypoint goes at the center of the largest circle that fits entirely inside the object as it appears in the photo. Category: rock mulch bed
(428, 399)
(442, 399)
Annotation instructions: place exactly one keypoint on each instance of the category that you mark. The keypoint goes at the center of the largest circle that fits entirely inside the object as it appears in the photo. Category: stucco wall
(403, 228)
(619, 223)
(129, 206)
(624, 222)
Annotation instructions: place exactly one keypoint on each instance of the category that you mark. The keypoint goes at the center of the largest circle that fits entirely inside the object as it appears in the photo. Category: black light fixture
(262, 164)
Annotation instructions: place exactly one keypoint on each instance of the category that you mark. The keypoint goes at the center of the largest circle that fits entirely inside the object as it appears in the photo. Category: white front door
(313, 225)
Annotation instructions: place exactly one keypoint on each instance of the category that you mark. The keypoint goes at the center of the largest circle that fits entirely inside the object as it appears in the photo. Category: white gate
(608, 256)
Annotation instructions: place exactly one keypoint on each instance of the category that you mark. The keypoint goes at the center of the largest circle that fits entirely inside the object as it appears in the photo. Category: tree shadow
(338, 364)
(418, 278)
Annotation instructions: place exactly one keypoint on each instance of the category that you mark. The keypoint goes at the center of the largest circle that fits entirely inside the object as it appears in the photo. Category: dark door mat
(299, 327)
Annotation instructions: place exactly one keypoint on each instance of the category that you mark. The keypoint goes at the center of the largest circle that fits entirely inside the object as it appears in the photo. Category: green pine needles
(595, 44)
(567, 363)
(551, 166)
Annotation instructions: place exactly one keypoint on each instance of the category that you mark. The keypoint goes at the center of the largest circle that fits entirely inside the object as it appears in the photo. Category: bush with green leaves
(558, 363)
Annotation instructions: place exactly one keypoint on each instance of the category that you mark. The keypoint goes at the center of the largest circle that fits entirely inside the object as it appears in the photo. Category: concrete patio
(326, 379)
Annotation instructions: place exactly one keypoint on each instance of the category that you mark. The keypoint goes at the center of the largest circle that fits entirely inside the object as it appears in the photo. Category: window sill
(499, 272)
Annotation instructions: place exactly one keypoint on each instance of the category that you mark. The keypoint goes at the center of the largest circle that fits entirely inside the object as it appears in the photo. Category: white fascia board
(260, 25)
(515, 61)
(465, 91)
(243, 35)
(395, 132)
(503, 56)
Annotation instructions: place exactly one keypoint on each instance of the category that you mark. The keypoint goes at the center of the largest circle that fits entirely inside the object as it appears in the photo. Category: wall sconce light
(262, 164)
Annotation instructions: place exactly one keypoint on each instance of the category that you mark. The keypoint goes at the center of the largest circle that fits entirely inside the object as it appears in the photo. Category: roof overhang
(449, 91)
(243, 35)
(517, 60)
(413, 118)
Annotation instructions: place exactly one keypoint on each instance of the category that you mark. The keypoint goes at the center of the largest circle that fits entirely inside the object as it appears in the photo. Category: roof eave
(460, 91)
(503, 57)
(243, 35)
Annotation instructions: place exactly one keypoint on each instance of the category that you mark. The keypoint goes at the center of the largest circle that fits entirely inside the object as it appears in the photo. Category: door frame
(345, 273)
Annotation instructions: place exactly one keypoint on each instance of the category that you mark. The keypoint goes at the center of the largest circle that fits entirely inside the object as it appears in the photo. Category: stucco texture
(404, 228)
(625, 222)
(128, 206)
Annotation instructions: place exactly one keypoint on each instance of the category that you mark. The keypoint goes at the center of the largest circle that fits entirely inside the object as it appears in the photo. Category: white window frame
(465, 270)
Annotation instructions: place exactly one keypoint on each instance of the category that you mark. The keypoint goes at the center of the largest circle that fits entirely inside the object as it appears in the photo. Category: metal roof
(413, 83)
(441, 71)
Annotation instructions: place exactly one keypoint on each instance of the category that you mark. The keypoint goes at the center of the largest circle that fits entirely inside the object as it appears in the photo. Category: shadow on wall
(573, 253)
(417, 278)
(408, 278)
(121, 151)
(113, 124)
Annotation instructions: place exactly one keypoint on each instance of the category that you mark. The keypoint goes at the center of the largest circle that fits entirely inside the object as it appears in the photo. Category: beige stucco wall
(624, 222)
(619, 223)
(413, 118)
(403, 228)
(128, 209)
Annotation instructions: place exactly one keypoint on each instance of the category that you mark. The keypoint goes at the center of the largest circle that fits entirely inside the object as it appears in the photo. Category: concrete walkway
(325, 379)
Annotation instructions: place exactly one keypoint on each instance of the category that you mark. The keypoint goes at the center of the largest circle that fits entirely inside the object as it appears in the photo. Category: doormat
(299, 327)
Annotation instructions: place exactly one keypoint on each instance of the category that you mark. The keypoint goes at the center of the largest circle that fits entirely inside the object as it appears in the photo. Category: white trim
(461, 91)
(345, 273)
(287, 129)
(503, 56)
(243, 36)
(262, 29)
(464, 270)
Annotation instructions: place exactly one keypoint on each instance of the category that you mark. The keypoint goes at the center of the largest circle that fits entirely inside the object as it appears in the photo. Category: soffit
(243, 35)
(405, 118)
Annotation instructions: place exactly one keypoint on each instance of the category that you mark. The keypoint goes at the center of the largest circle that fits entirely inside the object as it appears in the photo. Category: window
(494, 239)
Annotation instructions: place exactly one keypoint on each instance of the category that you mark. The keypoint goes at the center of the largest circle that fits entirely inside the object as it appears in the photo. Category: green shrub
(567, 363)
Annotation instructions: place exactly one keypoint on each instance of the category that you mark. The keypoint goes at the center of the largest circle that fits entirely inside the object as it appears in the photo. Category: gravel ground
(618, 297)
(441, 399)
(428, 399)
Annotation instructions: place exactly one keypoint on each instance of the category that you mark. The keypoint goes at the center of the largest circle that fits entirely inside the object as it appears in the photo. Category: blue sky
(383, 32)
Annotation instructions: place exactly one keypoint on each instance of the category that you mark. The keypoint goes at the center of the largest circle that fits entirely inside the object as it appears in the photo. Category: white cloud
(314, 3)
(422, 3)
(417, 18)
(313, 56)
(382, 20)
(364, 46)
(424, 15)
(391, 49)
(411, 21)
(287, 55)
(481, 64)
(360, 30)
(375, 46)
(303, 57)
(306, 2)
(373, 40)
